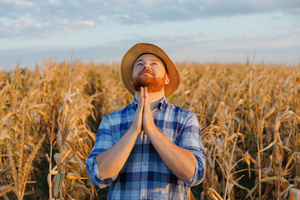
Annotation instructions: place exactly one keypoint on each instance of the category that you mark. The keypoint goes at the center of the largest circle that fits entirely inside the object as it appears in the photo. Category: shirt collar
(160, 104)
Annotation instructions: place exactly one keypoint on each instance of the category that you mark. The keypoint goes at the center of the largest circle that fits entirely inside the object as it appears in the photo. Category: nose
(146, 66)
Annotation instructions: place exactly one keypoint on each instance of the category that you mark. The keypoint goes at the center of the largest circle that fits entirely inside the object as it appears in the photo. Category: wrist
(151, 131)
(134, 131)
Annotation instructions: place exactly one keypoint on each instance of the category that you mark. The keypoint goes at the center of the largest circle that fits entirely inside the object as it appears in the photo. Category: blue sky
(188, 30)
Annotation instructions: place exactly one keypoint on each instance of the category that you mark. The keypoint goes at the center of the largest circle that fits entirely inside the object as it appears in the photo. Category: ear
(167, 79)
(131, 82)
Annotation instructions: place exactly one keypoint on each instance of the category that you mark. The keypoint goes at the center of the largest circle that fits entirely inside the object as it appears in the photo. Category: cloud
(191, 47)
(23, 3)
(205, 34)
(45, 17)
(181, 10)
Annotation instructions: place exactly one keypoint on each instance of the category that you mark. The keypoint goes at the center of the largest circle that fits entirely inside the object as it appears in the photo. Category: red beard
(152, 83)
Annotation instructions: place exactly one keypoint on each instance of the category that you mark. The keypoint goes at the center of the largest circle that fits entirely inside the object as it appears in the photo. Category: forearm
(112, 161)
(180, 161)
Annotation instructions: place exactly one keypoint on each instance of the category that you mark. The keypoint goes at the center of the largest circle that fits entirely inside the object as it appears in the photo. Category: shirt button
(143, 197)
(145, 164)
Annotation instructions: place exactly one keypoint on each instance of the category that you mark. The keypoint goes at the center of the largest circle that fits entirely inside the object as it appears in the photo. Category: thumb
(146, 96)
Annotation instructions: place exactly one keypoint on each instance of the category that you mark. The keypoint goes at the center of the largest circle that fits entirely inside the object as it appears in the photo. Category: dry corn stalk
(224, 97)
(297, 177)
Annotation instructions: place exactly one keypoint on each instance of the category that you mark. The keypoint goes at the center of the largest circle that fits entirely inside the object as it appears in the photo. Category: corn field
(249, 116)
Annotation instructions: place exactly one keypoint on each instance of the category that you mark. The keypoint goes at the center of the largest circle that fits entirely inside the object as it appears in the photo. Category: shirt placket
(145, 156)
(145, 161)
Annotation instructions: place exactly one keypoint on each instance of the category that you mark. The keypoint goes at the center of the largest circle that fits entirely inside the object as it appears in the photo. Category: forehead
(148, 56)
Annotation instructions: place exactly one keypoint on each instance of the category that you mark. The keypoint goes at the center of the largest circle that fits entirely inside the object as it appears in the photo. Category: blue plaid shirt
(145, 175)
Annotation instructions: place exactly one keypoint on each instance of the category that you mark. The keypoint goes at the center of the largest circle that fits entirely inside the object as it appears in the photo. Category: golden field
(249, 116)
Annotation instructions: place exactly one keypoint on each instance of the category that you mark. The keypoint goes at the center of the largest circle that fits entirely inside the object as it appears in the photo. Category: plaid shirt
(145, 175)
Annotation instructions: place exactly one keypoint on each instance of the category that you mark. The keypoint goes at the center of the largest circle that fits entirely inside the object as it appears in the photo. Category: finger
(143, 96)
(147, 100)
(142, 93)
(146, 93)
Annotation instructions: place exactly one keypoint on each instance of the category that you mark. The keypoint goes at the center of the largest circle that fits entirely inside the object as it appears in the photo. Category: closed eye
(139, 64)
(154, 63)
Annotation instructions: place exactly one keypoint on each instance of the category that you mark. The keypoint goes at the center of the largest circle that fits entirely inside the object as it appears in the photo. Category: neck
(154, 98)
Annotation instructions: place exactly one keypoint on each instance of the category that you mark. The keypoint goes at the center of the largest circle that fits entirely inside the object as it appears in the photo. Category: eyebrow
(152, 59)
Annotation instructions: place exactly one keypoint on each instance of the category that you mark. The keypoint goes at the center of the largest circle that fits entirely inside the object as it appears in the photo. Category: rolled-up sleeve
(190, 139)
(104, 141)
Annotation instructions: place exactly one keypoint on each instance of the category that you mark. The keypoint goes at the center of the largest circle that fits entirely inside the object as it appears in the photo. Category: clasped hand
(143, 119)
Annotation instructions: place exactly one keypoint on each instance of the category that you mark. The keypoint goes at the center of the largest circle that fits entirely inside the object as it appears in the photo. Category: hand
(137, 124)
(148, 121)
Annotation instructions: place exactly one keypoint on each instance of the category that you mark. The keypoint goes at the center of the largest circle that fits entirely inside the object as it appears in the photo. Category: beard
(152, 83)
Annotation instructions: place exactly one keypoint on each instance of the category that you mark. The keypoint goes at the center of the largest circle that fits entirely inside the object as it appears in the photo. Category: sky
(32, 32)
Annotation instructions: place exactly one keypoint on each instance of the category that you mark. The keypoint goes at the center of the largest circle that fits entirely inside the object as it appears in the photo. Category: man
(151, 149)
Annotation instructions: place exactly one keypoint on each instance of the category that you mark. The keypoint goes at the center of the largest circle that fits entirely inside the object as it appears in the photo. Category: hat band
(156, 56)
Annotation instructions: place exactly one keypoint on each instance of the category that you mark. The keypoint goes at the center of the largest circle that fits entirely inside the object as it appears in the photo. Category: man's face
(149, 71)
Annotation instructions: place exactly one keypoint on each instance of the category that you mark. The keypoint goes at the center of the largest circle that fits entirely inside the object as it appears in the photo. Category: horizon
(187, 30)
(43, 64)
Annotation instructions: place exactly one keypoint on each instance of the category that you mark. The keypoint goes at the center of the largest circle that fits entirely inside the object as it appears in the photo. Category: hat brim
(143, 48)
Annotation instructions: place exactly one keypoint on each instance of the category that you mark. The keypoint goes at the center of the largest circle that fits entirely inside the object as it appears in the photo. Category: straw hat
(142, 48)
